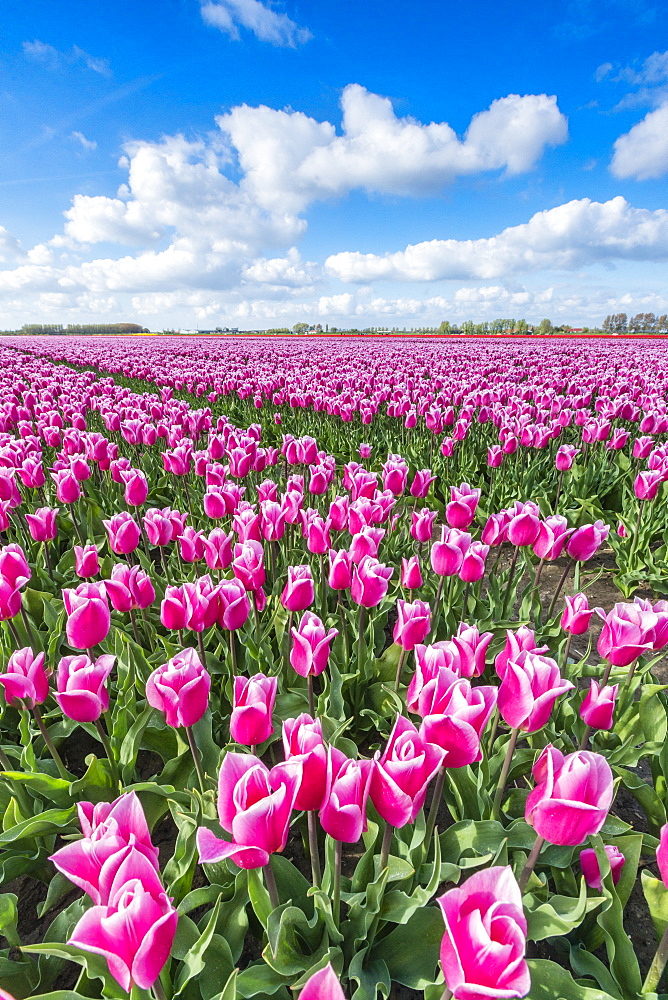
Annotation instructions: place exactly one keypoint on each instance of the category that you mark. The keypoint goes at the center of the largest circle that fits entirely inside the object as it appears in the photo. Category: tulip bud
(253, 704)
(180, 689)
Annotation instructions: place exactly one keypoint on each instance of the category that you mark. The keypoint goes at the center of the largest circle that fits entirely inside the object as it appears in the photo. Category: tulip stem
(567, 649)
(109, 752)
(511, 578)
(531, 863)
(158, 991)
(62, 771)
(437, 606)
(446, 994)
(585, 737)
(397, 679)
(202, 651)
(271, 885)
(344, 629)
(658, 965)
(133, 619)
(311, 698)
(336, 888)
(559, 485)
(196, 758)
(562, 581)
(313, 848)
(501, 787)
(15, 635)
(47, 560)
(361, 652)
(433, 810)
(388, 833)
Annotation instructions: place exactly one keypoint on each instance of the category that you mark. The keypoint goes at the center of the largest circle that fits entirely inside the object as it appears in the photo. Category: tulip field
(333, 669)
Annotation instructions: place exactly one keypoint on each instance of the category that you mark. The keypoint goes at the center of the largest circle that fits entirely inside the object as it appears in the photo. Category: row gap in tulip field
(303, 689)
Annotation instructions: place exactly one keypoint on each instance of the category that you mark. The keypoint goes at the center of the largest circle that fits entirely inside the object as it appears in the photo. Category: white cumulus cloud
(291, 159)
(578, 233)
(266, 24)
(642, 152)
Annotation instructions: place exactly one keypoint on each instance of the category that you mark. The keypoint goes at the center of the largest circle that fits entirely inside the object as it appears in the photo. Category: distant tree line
(81, 329)
(641, 323)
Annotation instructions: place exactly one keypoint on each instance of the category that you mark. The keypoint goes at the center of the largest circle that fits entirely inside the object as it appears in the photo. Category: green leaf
(48, 822)
(411, 950)
(260, 980)
(96, 967)
(656, 895)
(229, 990)
(559, 914)
(372, 978)
(193, 962)
(9, 918)
(549, 981)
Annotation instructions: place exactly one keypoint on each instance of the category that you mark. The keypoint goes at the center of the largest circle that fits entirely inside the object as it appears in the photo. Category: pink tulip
(135, 930)
(484, 944)
(24, 679)
(191, 544)
(299, 592)
(217, 549)
(14, 568)
(413, 623)
(253, 704)
(129, 588)
(365, 543)
(370, 582)
(302, 741)
(585, 541)
(430, 661)
(86, 562)
(233, 605)
(248, 564)
(530, 686)
(136, 487)
(111, 830)
(88, 615)
(158, 527)
(254, 805)
(340, 569)
(597, 709)
(81, 691)
(343, 813)
(516, 642)
(576, 615)
(662, 854)
(180, 689)
(628, 631)
(272, 520)
(591, 869)
(310, 645)
(411, 574)
(494, 456)
(42, 524)
(460, 512)
(67, 486)
(421, 482)
(402, 773)
(323, 984)
(565, 457)
(422, 524)
(448, 554)
(473, 563)
(524, 526)
(646, 484)
(10, 600)
(123, 532)
(472, 647)
(572, 796)
(552, 537)
(454, 716)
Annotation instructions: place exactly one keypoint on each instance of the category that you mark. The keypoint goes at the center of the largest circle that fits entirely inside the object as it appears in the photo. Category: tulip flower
(81, 686)
(598, 707)
(252, 707)
(591, 870)
(454, 716)
(158, 527)
(180, 689)
(411, 574)
(86, 561)
(136, 487)
(365, 543)
(123, 532)
(585, 541)
(402, 773)
(135, 930)
(248, 564)
(460, 512)
(473, 563)
(340, 569)
(302, 741)
(299, 592)
(233, 605)
(310, 646)
(531, 684)
(628, 631)
(217, 549)
(110, 831)
(254, 806)
(24, 679)
(430, 661)
(576, 615)
(552, 537)
(370, 582)
(14, 568)
(343, 813)
(516, 642)
(191, 544)
(42, 524)
(484, 944)
(646, 484)
(67, 486)
(448, 554)
(472, 646)
(323, 984)
(572, 796)
(421, 482)
(88, 615)
(565, 457)
(413, 623)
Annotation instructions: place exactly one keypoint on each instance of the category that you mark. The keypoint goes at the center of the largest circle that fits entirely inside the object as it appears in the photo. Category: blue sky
(254, 164)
